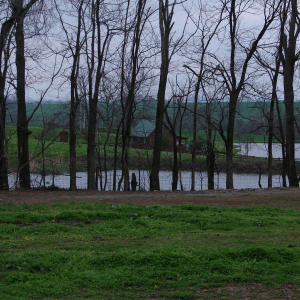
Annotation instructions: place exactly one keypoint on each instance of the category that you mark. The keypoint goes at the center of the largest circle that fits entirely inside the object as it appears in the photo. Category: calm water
(240, 180)
(261, 150)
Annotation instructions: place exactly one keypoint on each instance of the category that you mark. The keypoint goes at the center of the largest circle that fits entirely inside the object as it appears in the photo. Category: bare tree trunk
(195, 123)
(125, 167)
(19, 13)
(290, 121)
(108, 131)
(194, 136)
(289, 59)
(180, 166)
(72, 122)
(180, 135)
(165, 25)
(91, 145)
(290, 142)
(154, 174)
(229, 142)
(93, 100)
(3, 159)
(210, 159)
(128, 108)
(105, 166)
(116, 157)
(290, 131)
(74, 99)
(271, 122)
(72, 140)
(270, 143)
(22, 124)
(282, 145)
(5, 40)
(175, 160)
(100, 52)
(233, 85)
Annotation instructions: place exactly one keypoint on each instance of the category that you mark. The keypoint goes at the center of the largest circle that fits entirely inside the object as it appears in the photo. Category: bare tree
(74, 41)
(235, 75)
(211, 94)
(109, 114)
(274, 79)
(207, 24)
(6, 35)
(172, 125)
(140, 18)
(289, 56)
(272, 69)
(286, 53)
(282, 139)
(19, 12)
(185, 93)
(96, 52)
(167, 48)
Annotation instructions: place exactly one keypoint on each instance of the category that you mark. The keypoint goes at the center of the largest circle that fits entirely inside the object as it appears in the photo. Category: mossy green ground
(99, 251)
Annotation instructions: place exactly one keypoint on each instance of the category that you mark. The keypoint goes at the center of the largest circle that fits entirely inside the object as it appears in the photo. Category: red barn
(143, 134)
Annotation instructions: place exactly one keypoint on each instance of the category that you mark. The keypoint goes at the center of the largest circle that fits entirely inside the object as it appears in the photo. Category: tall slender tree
(96, 52)
(19, 13)
(234, 77)
(74, 41)
(273, 71)
(168, 47)
(5, 52)
(207, 23)
(289, 57)
(140, 18)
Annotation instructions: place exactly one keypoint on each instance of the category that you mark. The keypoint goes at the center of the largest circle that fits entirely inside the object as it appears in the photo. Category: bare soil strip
(280, 197)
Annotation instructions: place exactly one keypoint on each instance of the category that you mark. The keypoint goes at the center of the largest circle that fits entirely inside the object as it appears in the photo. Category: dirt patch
(60, 223)
(280, 197)
(256, 291)
(235, 291)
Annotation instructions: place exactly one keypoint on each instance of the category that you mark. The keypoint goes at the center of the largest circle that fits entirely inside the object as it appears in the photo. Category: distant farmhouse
(143, 135)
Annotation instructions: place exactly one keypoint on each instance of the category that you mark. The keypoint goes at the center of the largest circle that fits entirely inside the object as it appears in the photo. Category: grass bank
(85, 250)
(57, 155)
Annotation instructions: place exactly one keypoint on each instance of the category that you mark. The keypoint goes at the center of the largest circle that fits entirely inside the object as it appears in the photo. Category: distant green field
(247, 112)
(56, 153)
(238, 138)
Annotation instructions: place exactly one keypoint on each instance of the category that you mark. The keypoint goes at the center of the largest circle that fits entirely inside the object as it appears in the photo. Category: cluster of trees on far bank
(185, 61)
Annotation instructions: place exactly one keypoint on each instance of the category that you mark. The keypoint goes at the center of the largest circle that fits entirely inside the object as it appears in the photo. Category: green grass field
(82, 250)
(59, 152)
(54, 149)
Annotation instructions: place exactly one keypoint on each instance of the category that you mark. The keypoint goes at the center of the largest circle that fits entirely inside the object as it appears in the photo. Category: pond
(241, 181)
(261, 150)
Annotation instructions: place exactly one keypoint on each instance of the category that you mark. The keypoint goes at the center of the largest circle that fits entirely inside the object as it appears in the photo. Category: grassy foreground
(85, 250)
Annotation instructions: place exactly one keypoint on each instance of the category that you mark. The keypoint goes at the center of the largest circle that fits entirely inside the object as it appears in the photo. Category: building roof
(143, 128)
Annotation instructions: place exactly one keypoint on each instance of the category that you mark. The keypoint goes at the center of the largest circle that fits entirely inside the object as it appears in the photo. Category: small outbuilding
(143, 135)
(64, 136)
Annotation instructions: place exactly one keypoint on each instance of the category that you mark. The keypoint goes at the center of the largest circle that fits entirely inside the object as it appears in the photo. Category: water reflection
(261, 150)
(240, 180)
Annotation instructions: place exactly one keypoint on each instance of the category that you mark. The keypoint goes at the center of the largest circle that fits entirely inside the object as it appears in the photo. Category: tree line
(125, 52)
